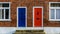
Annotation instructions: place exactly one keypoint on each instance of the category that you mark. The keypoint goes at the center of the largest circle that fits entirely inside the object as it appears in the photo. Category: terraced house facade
(30, 15)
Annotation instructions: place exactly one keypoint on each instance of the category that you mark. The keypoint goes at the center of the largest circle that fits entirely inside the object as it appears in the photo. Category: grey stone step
(29, 33)
(29, 30)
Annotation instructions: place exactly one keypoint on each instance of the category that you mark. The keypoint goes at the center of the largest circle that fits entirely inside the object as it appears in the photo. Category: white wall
(52, 30)
(48, 30)
(7, 30)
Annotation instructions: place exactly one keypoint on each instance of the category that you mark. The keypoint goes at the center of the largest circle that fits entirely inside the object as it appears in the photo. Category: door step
(29, 32)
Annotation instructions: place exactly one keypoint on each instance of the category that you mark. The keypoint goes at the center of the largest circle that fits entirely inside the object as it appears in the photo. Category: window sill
(5, 19)
(54, 20)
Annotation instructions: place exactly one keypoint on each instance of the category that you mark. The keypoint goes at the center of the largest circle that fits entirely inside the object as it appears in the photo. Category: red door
(38, 16)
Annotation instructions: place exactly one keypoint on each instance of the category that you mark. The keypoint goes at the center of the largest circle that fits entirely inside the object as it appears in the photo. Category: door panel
(21, 17)
(38, 17)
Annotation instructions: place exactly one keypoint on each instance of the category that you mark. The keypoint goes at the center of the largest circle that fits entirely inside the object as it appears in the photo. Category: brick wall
(29, 4)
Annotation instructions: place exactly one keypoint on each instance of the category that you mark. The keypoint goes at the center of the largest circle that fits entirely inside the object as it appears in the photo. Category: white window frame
(4, 11)
(54, 13)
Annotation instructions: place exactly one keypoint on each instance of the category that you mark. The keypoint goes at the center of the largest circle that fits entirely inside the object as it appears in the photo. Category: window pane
(55, 4)
(57, 13)
(0, 5)
(0, 13)
(6, 13)
(5, 5)
(52, 14)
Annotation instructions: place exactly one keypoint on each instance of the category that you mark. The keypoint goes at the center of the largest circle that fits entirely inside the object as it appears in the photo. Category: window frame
(4, 11)
(54, 10)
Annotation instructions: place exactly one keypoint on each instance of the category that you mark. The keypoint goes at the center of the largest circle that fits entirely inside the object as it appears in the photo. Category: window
(4, 11)
(54, 11)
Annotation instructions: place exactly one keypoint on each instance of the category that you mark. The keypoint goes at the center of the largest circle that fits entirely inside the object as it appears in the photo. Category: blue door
(21, 17)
